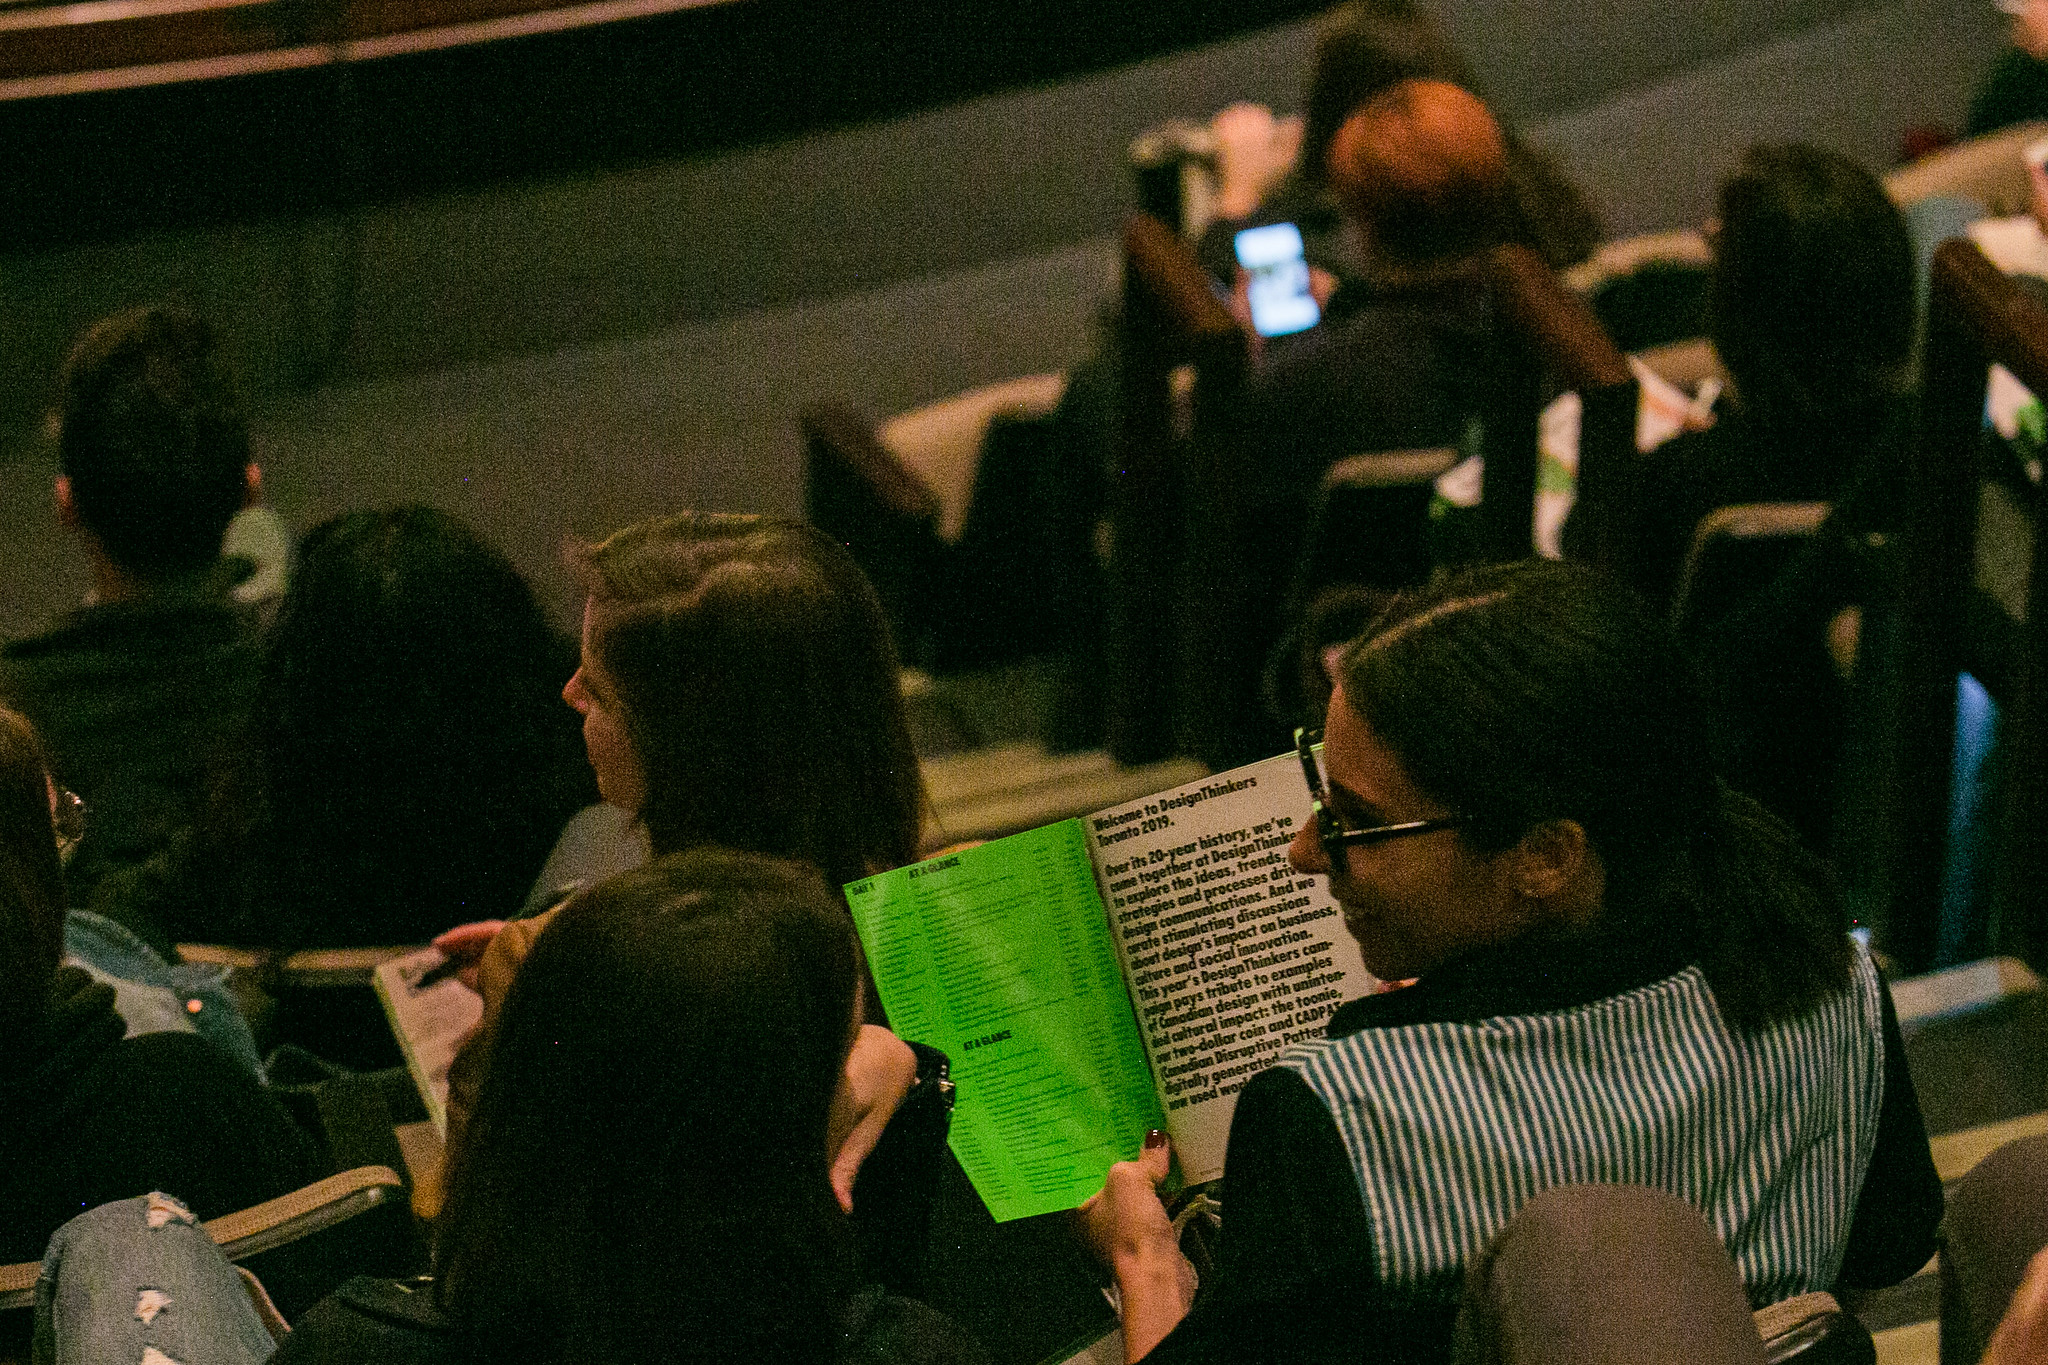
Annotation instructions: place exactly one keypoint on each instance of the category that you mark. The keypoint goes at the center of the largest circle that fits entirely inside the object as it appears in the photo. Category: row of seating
(1187, 615)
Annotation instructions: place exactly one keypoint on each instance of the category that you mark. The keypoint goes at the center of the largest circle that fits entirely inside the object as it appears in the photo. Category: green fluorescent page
(1000, 956)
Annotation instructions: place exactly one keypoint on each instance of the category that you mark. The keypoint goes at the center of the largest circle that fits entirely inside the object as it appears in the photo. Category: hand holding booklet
(1094, 978)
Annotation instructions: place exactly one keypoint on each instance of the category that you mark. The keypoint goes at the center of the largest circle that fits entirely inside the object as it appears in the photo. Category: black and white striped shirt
(1452, 1126)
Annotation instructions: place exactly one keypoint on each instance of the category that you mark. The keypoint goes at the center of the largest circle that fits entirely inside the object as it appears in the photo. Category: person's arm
(1899, 1207)
(2022, 1336)
(1296, 1226)
(880, 1069)
(1126, 1226)
(1295, 1241)
(495, 965)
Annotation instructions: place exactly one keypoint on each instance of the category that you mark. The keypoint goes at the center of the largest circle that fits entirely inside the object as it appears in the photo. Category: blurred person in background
(90, 1112)
(142, 695)
(648, 1177)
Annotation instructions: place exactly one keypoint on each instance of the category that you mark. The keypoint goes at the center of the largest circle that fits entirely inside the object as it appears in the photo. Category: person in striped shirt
(1626, 974)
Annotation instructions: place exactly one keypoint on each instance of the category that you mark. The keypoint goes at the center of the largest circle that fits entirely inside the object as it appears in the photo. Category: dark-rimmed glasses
(1308, 744)
(67, 817)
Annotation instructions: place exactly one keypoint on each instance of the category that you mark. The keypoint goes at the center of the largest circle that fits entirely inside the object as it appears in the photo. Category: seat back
(1736, 553)
(1755, 605)
(1370, 524)
(254, 1232)
(1813, 1329)
(1195, 593)
(1988, 169)
(859, 493)
(1973, 575)
(1648, 290)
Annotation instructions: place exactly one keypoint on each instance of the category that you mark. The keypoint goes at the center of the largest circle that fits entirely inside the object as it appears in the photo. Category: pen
(439, 972)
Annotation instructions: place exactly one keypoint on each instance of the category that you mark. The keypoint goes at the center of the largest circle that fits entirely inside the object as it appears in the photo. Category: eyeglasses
(1308, 744)
(67, 815)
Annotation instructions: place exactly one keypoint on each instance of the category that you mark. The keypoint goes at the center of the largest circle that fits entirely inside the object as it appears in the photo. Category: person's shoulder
(373, 1321)
(183, 1073)
(507, 951)
(48, 646)
(884, 1330)
(2013, 90)
(172, 623)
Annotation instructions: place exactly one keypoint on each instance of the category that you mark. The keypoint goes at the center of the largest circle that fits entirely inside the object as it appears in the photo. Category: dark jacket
(1297, 1247)
(142, 706)
(385, 1322)
(87, 1116)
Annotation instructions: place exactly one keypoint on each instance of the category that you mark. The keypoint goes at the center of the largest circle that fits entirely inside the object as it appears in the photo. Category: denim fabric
(153, 996)
(138, 1282)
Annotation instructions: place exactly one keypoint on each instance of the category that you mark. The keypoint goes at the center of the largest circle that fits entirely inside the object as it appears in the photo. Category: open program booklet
(1126, 970)
(429, 1018)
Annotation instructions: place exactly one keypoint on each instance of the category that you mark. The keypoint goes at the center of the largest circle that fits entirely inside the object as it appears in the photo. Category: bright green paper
(1000, 956)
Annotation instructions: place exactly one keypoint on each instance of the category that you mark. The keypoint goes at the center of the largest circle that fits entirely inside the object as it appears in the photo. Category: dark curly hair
(1530, 692)
(152, 437)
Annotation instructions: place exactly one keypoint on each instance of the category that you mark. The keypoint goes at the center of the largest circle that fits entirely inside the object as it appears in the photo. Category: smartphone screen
(1277, 279)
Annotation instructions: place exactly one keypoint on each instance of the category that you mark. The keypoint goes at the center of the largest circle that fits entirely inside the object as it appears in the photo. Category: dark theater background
(556, 267)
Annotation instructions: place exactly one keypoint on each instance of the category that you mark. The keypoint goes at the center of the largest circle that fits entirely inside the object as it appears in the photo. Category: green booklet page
(999, 956)
(1091, 976)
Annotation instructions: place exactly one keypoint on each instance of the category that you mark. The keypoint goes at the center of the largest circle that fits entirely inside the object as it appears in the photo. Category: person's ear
(252, 484)
(67, 506)
(1553, 858)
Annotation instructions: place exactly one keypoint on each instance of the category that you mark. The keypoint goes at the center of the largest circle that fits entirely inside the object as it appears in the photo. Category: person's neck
(111, 583)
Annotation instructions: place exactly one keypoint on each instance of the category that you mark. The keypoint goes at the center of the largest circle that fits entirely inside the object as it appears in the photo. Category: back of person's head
(1363, 49)
(1422, 168)
(1533, 692)
(759, 688)
(152, 437)
(31, 878)
(419, 759)
(646, 1176)
(1813, 300)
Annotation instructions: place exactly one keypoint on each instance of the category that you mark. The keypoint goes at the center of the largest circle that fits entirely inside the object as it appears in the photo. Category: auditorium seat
(1987, 169)
(1195, 593)
(1974, 569)
(1370, 523)
(1757, 600)
(945, 508)
(295, 1249)
(319, 999)
(1736, 552)
(1649, 291)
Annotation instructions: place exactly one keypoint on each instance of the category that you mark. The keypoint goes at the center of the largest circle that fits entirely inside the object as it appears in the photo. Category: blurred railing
(60, 49)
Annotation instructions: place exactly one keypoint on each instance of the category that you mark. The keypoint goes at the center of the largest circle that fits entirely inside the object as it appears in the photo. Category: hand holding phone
(1277, 280)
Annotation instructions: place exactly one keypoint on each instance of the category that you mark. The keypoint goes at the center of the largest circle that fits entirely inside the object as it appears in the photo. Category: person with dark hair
(141, 695)
(91, 1114)
(1272, 171)
(738, 687)
(1626, 973)
(1812, 312)
(416, 763)
(746, 666)
(648, 1176)
(2015, 89)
